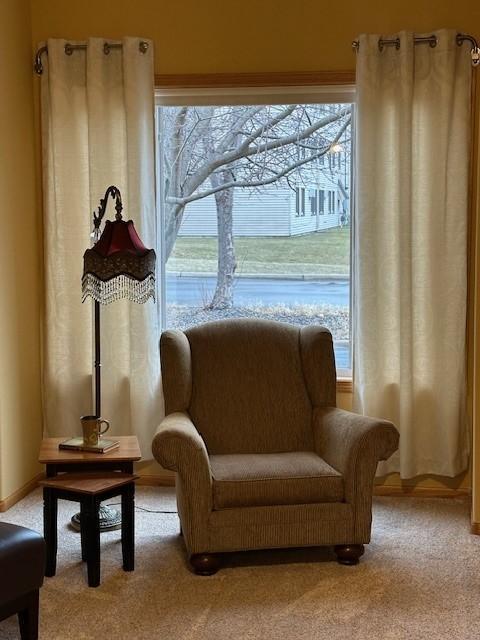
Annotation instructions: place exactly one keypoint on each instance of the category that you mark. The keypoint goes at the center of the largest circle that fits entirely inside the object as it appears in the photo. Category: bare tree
(214, 150)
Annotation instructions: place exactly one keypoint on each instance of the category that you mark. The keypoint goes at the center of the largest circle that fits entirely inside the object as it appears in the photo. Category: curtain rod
(432, 41)
(70, 48)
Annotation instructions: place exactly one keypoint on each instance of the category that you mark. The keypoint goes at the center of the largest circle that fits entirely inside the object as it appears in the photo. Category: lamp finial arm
(102, 207)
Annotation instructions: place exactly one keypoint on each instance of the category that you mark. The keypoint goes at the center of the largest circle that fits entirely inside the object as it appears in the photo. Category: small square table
(89, 490)
(60, 460)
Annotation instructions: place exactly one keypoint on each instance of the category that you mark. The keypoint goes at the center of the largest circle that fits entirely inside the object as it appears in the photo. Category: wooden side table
(58, 460)
(89, 490)
(61, 460)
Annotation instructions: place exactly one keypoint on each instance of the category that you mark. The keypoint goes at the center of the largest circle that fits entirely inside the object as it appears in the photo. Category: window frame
(257, 88)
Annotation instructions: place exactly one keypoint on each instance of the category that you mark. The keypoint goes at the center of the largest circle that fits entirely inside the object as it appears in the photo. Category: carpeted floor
(419, 580)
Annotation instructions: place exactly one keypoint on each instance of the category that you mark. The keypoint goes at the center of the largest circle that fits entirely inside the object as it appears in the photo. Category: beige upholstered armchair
(263, 457)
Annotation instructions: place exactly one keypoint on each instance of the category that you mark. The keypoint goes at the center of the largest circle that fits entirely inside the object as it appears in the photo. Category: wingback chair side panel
(176, 363)
(248, 390)
(318, 361)
(180, 447)
(353, 444)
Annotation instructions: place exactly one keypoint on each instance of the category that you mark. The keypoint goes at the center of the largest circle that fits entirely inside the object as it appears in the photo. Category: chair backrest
(249, 385)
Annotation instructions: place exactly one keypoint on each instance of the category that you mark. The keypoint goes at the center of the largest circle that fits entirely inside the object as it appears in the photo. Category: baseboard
(150, 480)
(17, 495)
(475, 528)
(378, 490)
(169, 481)
(420, 492)
(156, 481)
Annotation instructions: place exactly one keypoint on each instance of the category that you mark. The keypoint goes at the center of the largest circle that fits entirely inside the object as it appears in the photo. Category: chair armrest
(177, 445)
(353, 444)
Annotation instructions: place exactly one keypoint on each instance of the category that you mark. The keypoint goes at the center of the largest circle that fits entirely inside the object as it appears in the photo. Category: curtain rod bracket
(432, 41)
(70, 48)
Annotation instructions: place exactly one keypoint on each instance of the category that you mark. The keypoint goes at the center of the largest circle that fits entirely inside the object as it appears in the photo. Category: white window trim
(178, 96)
(203, 96)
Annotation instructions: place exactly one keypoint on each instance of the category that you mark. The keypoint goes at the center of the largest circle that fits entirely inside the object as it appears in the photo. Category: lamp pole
(98, 364)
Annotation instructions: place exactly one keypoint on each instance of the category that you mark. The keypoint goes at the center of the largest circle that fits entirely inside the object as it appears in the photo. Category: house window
(331, 202)
(300, 201)
(235, 240)
(312, 196)
(321, 201)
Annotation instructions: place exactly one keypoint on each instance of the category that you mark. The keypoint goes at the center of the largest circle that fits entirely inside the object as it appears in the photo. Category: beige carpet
(419, 579)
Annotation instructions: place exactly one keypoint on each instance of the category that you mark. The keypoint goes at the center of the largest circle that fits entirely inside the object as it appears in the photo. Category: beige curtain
(410, 283)
(98, 130)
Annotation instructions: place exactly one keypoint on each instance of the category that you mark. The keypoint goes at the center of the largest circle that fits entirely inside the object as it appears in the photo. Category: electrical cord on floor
(115, 504)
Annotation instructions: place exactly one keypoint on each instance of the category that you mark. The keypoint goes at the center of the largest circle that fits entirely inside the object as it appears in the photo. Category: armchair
(263, 457)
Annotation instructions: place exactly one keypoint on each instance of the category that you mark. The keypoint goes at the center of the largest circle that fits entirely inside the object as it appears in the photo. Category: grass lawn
(325, 252)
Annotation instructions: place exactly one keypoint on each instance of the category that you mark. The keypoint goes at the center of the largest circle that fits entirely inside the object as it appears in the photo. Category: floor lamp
(117, 266)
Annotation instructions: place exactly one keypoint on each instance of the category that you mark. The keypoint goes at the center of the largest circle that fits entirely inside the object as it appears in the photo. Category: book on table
(77, 444)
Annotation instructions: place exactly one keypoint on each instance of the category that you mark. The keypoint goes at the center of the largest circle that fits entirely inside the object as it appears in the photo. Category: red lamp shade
(119, 266)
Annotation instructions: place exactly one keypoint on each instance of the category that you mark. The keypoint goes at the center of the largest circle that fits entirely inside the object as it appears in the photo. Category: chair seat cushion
(266, 479)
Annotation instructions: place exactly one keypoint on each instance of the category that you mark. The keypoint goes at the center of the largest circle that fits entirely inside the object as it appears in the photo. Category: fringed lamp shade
(119, 266)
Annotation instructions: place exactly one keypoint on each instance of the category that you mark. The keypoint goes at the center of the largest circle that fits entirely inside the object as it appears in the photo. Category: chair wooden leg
(205, 564)
(28, 618)
(349, 553)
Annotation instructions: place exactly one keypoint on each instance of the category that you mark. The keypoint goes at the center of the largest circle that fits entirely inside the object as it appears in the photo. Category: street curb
(336, 277)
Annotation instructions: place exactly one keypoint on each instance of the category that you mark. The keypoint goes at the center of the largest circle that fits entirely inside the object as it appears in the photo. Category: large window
(237, 175)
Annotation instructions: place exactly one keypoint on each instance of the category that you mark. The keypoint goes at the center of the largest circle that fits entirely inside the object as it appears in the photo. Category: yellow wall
(20, 407)
(207, 36)
(189, 37)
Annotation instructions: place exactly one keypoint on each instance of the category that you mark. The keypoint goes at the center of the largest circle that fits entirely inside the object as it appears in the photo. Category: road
(199, 289)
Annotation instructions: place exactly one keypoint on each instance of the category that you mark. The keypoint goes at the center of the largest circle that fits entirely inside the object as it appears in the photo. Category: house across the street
(278, 210)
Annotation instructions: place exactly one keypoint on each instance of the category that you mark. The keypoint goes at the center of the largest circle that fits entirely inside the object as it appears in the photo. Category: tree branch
(258, 183)
(229, 137)
(194, 181)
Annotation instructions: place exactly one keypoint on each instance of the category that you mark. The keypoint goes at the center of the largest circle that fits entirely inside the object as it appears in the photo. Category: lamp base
(110, 519)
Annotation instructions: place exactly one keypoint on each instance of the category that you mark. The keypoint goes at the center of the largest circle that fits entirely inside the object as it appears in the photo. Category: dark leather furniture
(22, 565)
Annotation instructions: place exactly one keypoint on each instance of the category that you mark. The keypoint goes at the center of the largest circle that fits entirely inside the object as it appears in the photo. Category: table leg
(128, 527)
(83, 535)
(92, 533)
(51, 470)
(50, 530)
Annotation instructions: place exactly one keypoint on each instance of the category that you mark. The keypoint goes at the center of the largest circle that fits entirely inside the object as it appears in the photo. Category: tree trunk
(173, 216)
(174, 171)
(223, 296)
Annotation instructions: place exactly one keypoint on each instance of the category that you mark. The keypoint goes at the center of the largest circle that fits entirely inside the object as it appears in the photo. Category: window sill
(344, 385)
